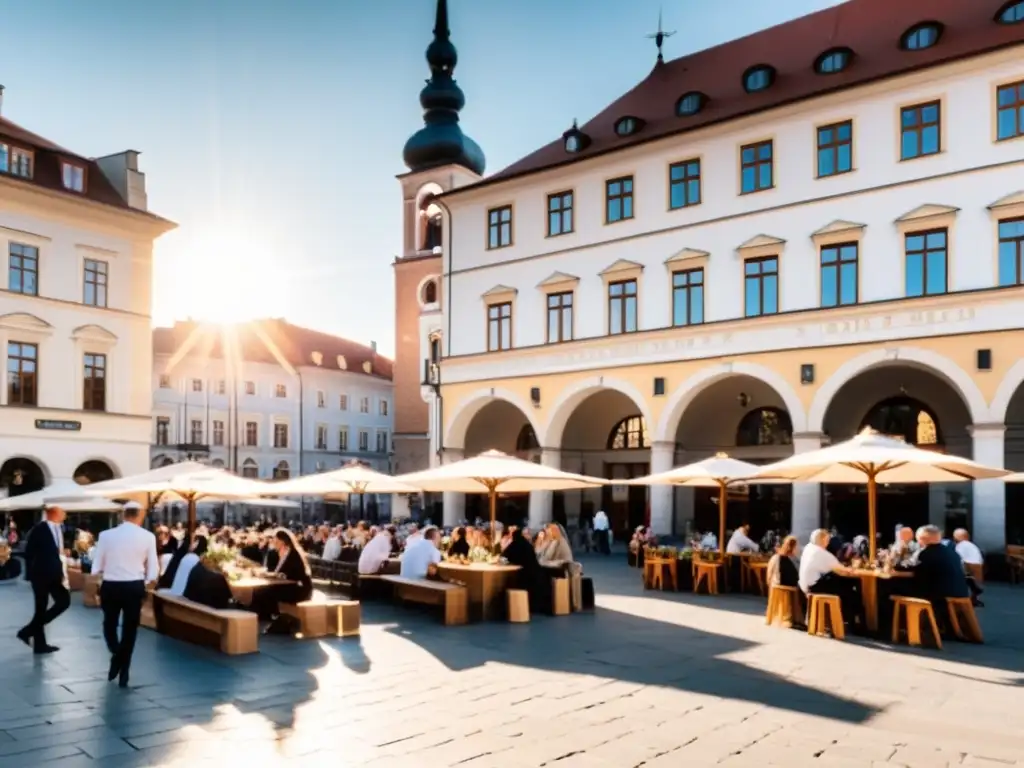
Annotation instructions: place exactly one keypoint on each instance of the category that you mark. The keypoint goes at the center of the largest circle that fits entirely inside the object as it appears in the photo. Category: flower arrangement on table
(225, 559)
(477, 556)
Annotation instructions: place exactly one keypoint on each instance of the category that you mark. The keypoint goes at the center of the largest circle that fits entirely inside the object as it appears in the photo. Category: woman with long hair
(291, 566)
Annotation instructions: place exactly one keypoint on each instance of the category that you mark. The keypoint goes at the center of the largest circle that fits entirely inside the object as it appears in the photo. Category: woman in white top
(185, 566)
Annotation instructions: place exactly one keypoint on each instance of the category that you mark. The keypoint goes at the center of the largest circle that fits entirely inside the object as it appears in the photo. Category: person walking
(126, 556)
(601, 532)
(44, 569)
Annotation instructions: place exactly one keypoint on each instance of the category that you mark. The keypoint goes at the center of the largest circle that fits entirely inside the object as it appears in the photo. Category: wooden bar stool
(826, 613)
(708, 573)
(518, 606)
(915, 609)
(783, 606)
(962, 619)
(757, 574)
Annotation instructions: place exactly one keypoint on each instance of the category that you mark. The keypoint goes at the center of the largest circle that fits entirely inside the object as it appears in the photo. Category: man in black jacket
(939, 572)
(44, 569)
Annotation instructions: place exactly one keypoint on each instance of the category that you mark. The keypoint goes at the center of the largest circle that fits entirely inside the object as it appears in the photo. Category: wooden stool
(758, 574)
(91, 590)
(560, 597)
(321, 617)
(783, 606)
(961, 608)
(518, 606)
(826, 613)
(707, 573)
(915, 608)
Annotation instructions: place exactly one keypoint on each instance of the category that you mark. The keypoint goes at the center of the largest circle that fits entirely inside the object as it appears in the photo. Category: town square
(543, 384)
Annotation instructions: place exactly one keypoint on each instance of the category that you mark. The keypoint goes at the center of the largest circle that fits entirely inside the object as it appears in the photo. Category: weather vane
(659, 38)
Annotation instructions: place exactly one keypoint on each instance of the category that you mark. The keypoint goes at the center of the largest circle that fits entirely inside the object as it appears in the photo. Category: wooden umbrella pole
(872, 511)
(492, 492)
(721, 518)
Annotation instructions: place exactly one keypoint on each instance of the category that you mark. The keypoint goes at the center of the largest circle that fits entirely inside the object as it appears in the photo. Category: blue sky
(272, 130)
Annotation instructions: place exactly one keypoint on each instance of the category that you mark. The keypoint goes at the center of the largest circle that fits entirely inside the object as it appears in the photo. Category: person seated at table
(822, 574)
(783, 570)
(166, 544)
(904, 550)
(938, 572)
(460, 544)
(421, 554)
(208, 587)
(332, 547)
(531, 577)
(556, 550)
(291, 566)
(10, 567)
(740, 541)
(708, 542)
(376, 552)
(176, 576)
(250, 549)
(971, 555)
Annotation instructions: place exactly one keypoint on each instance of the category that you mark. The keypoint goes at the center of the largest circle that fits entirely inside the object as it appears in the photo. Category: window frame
(255, 437)
(195, 432)
(905, 38)
(22, 255)
(925, 250)
(827, 55)
(7, 154)
(218, 430)
(756, 164)
(623, 308)
(66, 165)
(496, 226)
(1016, 107)
(688, 288)
(561, 212)
(837, 265)
(559, 310)
(920, 127)
(100, 282)
(684, 183)
(280, 428)
(91, 390)
(771, 75)
(32, 377)
(495, 317)
(833, 147)
(701, 98)
(760, 277)
(162, 435)
(321, 432)
(1006, 8)
(620, 197)
(1019, 261)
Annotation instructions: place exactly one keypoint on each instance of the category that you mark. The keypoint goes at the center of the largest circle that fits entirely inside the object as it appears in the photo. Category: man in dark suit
(44, 569)
(939, 571)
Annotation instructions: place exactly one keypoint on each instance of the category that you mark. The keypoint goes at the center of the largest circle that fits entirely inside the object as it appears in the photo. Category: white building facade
(762, 248)
(291, 402)
(75, 299)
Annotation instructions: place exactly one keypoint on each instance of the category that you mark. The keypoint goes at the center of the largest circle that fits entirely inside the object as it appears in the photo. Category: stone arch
(94, 466)
(915, 357)
(681, 398)
(19, 463)
(458, 427)
(161, 460)
(573, 396)
(1008, 387)
(422, 290)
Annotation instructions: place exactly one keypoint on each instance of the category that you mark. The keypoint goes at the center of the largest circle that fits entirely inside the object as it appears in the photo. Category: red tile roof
(871, 28)
(258, 340)
(46, 171)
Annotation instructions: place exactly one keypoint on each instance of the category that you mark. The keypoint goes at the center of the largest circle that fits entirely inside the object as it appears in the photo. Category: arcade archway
(18, 476)
(1014, 460)
(94, 471)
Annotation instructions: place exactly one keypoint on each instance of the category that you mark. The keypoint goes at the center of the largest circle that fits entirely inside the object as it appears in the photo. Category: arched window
(20, 476)
(907, 418)
(833, 61)
(758, 78)
(93, 472)
(250, 469)
(430, 292)
(690, 103)
(629, 434)
(764, 426)
(527, 440)
(1011, 13)
(282, 471)
(627, 126)
(433, 227)
(921, 36)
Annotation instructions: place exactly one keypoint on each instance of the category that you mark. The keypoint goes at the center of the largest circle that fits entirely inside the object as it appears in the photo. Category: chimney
(373, 347)
(123, 172)
(1, 100)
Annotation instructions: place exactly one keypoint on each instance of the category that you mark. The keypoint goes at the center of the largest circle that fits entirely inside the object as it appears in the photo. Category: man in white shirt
(126, 556)
(821, 573)
(966, 548)
(740, 541)
(601, 533)
(420, 554)
(375, 553)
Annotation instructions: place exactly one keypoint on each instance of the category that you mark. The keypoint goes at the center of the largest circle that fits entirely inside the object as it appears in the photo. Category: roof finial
(441, 30)
(659, 38)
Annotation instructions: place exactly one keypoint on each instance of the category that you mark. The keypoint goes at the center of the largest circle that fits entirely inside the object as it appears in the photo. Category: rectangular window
(926, 262)
(197, 385)
(165, 381)
(1010, 111)
(383, 407)
(95, 283)
(364, 405)
(73, 176)
(684, 184)
(343, 402)
(343, 439)
(618, 196)
(321, 399)
(218, 433)
(499, 326)
(20, 162)
(364, 440)
(280, 435)
(22, 373)
(250, 388)
(382, 442)
(94, 382)
(23, 270)
(761, 286)
(196, 433)
(622, 307)
(756, 167)
(835, 149)
(321, 437)
(280, 390)
(559, 317)
(559, 214)
(1011, 252)
(499, 227)
(222, 387)
(163, 430)
(252, 434)
(688, 297)
(921, 133)
(250, 470)
(839, 275)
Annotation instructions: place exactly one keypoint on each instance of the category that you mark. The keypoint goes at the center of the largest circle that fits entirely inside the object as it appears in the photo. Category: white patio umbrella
(190, 487)
(352, 478)
(1016, 477)
(148, 500)
(71, 496)
(717, 472)
(492, 472)
(873, 458)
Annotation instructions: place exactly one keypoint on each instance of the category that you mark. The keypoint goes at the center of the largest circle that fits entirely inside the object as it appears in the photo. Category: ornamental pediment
(761, 241)
(687, 254)
(557, 278)
(622, 265)
(838, 226)
(93, 332)
(1017, 198)
(23, 321)
(500, 290)
(927, 211)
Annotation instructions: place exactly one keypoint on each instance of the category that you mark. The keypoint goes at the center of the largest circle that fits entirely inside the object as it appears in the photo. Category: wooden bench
(91, 589)
(323, 617)
(76, 579)
(454, 598)
(233, 632)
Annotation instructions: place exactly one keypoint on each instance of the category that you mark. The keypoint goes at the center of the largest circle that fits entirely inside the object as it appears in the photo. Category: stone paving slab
(651, 680)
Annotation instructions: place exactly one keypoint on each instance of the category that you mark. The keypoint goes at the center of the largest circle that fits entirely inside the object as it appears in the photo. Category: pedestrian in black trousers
(126, 556)
(44, 569)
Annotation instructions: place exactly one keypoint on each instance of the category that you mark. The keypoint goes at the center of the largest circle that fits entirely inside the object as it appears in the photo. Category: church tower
(440, 157)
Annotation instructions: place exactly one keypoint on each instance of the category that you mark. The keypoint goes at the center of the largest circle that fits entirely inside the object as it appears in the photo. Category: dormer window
(758, 78)
(1012, 13)
(72, 176)
(921, 36)
(833, 61)
(627, 126)
(16, 161)
(690, 104)
(575, 140)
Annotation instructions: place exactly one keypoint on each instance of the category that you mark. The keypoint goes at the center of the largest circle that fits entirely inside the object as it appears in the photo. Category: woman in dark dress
(208, 588)
(291, 566)
(460, 545)
(198, 548)
(531, 576)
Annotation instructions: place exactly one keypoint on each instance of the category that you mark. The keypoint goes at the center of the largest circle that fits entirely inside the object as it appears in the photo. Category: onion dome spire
(441, 140)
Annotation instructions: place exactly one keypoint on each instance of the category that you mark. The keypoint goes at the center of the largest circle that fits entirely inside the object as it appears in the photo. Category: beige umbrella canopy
(871, 458)
(150, 476)
(492, 472)
(717, 472)
(1016, 477)
(71, 496)
(352, 478)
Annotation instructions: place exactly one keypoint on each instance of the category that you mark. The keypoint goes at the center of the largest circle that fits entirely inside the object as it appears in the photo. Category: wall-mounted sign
(60, 426)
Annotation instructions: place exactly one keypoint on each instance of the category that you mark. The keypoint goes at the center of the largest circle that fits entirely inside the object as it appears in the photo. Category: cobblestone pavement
(651, 680)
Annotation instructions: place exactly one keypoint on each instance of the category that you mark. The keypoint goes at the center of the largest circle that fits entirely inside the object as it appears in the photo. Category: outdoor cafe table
(242, 589)
(869, 591)
(485, 583)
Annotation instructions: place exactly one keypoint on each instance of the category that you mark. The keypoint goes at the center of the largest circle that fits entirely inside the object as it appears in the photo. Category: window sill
(821, 176)
(608, 223)
(672, 209)
(922, 157)
(756, 191)
(499, 247)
